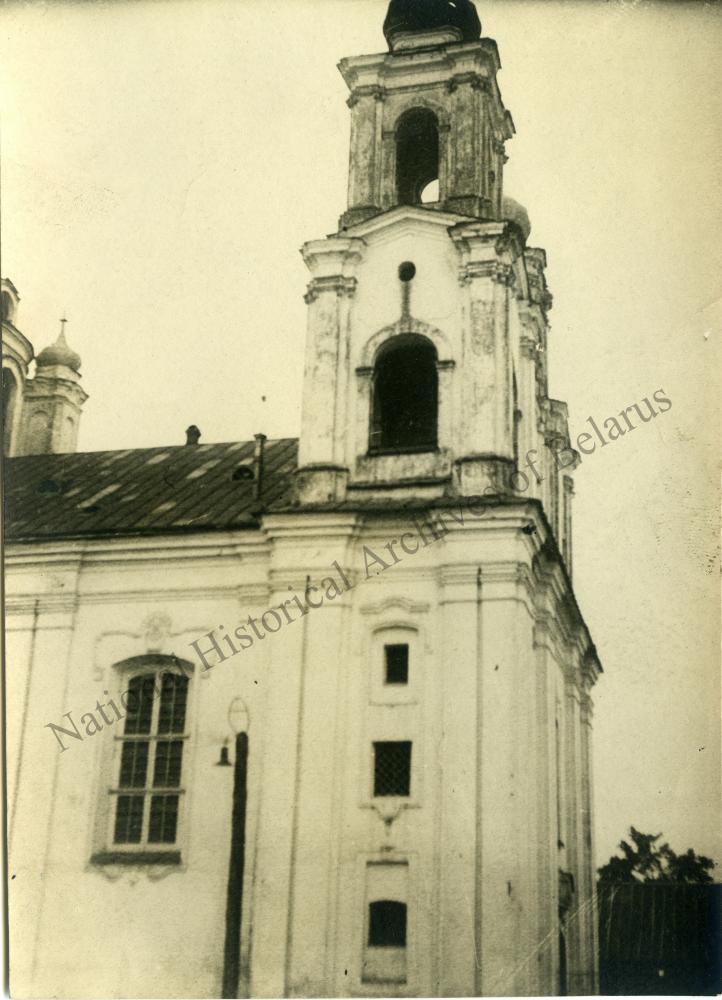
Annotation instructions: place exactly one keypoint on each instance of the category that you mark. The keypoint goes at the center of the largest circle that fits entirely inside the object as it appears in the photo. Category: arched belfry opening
(417, 157)
(405, 395)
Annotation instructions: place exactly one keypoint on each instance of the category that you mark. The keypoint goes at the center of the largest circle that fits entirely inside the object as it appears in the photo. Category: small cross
(63, 321)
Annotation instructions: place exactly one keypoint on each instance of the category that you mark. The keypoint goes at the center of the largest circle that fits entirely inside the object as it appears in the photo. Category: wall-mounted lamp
(224, 760)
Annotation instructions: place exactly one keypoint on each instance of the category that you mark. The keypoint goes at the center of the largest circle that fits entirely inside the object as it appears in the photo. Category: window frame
(387, 667)
(395, 633)
(375, 744)
(383, 371)
(417, 145)
(387, 970)
(108, 850)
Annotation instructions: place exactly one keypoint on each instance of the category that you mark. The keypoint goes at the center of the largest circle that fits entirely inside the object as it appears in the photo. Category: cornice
(336, 284)
(498, 271)
(395, 217)
(135, 549)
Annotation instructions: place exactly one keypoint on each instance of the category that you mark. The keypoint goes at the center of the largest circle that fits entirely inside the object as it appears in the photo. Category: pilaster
(294, 880)
(485, 278)
(322, 471)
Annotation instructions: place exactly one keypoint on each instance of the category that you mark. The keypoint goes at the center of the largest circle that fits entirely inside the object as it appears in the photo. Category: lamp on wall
(224, 760)
(238, 722)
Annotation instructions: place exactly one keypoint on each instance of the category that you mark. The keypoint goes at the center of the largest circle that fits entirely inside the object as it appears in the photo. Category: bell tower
(428, 125)
(425, 369)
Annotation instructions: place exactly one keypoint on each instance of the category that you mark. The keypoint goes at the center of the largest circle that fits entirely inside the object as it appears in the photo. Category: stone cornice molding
(474, 239)
(135, 549)
(49, 386)
(45, 604)
(498, 271)
(373, 90)
(336, 283)
(475, 80)
(331, 257)
(432, 64)
(305, 526)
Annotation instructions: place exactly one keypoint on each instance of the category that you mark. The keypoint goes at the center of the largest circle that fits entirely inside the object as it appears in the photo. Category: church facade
(313, 717)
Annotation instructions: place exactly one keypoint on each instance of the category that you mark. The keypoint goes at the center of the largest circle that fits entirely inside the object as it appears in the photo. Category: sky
(162, 164)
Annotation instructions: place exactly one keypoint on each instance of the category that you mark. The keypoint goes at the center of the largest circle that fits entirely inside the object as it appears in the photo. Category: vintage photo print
(360, 417)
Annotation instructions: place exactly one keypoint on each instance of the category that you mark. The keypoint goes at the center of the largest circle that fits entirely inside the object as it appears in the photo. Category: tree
(645, 861)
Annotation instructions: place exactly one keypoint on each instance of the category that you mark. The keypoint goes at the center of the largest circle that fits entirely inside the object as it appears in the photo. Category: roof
(143, 490)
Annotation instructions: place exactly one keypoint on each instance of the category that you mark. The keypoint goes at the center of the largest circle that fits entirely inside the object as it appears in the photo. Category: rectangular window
(387, 924)
(397, 663)
(147, 796)
(392, 767)
(386, 931)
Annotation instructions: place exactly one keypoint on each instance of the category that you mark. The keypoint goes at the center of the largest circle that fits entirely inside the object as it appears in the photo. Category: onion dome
(408, 16)
(59, 354)
(512, 211)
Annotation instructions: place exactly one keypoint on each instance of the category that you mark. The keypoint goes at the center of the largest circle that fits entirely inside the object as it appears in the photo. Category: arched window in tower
(405, 396)
(417, 157)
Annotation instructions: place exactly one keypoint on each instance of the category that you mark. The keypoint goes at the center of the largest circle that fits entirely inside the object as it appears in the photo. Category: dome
(59, 354)
(432, 15)
(512, 211)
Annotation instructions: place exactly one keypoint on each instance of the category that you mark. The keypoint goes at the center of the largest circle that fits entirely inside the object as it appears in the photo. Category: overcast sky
(162, 164)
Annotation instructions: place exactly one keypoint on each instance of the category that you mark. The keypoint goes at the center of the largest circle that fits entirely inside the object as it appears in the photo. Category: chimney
(258, 463)
(193, 434)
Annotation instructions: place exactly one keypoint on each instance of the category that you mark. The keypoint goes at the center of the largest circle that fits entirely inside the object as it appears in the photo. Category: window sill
(136, 858)
(416, 449)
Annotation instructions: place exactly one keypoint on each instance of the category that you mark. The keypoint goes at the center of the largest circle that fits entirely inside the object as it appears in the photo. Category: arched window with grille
(405, 396)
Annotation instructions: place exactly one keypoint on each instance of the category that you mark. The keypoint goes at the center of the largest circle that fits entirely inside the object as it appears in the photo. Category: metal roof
(143, 490)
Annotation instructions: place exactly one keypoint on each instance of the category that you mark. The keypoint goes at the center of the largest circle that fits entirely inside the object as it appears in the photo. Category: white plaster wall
(84, 930)
(476, 833)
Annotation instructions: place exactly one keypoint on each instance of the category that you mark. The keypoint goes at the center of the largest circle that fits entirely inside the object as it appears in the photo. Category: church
(312, 717)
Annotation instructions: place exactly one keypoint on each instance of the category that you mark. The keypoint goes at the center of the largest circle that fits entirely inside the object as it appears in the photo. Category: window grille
(392, 767)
